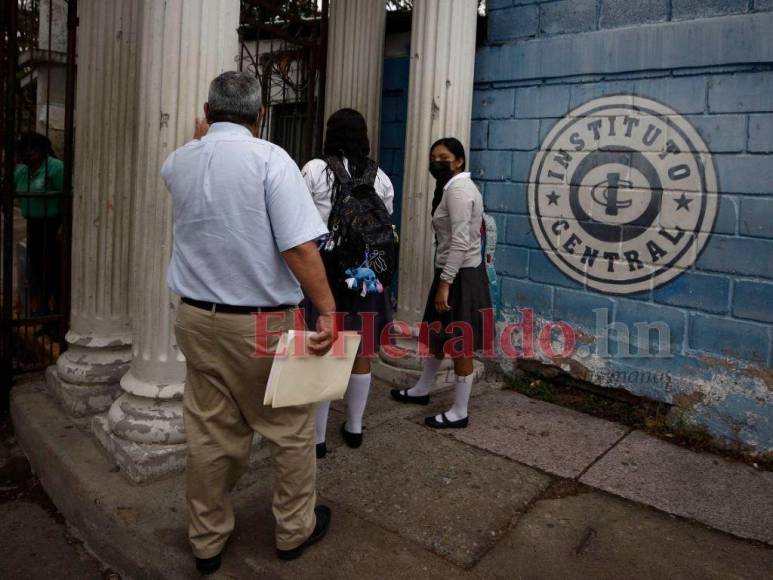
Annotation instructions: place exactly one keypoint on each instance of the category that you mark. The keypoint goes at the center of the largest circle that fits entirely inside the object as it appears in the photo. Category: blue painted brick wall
(614, 13)
(703, 8)
(760, 133)
(578, 308)
(567, 16)
(539, 297)
(732, 338)
(514, 134)
(753, 300)
(755, 217)
(543, 58)
(695, 291)
(512, 23)
(522, 19)
(493, 104)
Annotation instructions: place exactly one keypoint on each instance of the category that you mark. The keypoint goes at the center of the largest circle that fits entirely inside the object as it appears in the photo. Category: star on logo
(553, 198)
(683, 202)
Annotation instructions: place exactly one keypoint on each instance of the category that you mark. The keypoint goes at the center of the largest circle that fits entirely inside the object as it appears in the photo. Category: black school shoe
(208, 565)
(321, 450)
(320, 529)
(446, 423)
(353, 440)
(402, 396)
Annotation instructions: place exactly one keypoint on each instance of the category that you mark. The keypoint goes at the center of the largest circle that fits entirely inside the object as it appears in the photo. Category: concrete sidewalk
(529, 490)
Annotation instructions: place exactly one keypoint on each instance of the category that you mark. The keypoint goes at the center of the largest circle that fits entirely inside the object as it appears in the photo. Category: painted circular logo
(622, 194)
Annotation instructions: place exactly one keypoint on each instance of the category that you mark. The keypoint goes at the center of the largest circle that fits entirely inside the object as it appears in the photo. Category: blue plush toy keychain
(365, 278)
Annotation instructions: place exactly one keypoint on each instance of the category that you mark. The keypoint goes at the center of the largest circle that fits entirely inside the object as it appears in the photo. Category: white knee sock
(356, 399)
(320, 426)
(429, 368)
(462, 390)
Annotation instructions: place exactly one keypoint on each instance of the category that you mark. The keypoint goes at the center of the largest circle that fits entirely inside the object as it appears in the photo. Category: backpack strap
(344, 177)
(337, 167)
(370, 173)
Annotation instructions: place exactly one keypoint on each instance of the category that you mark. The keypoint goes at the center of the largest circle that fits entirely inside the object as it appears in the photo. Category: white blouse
(320, 184)
(457, 223)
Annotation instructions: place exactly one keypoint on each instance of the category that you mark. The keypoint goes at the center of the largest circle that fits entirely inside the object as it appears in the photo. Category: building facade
(585, 108)
(624, 150)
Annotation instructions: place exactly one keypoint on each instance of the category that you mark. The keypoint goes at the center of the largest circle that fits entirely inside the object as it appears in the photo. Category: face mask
(441, 170)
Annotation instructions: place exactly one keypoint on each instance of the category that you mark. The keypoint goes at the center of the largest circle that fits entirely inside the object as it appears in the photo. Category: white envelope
(298, 379)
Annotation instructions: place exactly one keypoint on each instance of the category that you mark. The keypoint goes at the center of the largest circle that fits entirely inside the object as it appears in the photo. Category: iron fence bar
(49, 52)
(308, 121)
(11, 50)
(69, 161)
(322, 72)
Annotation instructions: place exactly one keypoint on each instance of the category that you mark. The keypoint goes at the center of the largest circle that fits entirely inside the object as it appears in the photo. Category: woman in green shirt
(40, 172)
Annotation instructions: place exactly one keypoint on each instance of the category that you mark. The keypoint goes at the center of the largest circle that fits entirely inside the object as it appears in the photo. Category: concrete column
(183, 46)
(439, 105)
(86, 377)
(355, 61)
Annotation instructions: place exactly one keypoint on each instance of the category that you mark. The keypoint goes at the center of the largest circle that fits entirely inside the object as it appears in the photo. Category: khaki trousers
(223, 405)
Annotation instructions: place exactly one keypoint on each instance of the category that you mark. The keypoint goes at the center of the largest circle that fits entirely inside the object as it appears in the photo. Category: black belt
(231, 309)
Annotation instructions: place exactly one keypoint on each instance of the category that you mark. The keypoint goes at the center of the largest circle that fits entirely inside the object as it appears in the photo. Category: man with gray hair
(244, 231)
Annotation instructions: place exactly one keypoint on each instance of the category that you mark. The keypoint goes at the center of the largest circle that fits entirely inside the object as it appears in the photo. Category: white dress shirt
(238, 202)
(320, 183)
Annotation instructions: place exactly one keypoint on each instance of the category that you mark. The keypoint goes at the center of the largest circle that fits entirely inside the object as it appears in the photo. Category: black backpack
(361, 233)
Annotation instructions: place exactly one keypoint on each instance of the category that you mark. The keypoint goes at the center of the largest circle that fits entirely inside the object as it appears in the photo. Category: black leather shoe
(446, 423)
(320, 529)
(404, 397)
(208, 565)
(353, 440)
(321, 450)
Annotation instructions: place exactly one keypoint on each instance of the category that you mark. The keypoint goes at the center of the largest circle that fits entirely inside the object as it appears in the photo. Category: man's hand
(441, 297)
(201, 128)
(321, 341)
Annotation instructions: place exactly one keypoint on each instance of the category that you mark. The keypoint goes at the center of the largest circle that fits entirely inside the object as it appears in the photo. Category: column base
(147, 421)
(145, 462)
(140, 462)
(94, 359)
(81, 400)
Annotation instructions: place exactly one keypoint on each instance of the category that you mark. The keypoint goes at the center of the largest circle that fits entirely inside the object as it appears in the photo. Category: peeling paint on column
(85, 379)
(147, 421)
(144, 427)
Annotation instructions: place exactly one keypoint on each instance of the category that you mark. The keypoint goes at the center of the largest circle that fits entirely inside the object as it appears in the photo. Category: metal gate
(284, 42)
(37, 84)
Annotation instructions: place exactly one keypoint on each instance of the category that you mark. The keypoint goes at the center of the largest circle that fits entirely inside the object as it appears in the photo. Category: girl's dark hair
(454, 146)
(346, 135)
(36, 141)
